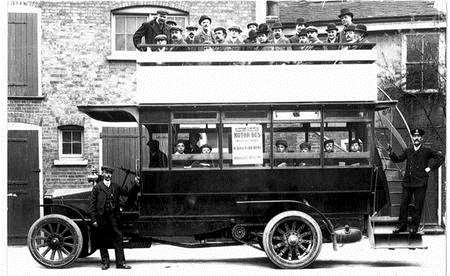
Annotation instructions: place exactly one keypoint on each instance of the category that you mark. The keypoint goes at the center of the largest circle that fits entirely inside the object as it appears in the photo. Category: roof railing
(258, 46)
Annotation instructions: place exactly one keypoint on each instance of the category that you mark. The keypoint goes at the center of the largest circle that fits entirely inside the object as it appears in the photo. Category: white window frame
(70, 159)
(148, 11)
(441, 60)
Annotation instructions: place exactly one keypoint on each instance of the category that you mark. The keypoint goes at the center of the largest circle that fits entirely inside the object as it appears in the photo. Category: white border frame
(29, 9)
(23, 126)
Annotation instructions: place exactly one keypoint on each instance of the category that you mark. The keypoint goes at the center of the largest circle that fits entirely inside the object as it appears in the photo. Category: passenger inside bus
(281, 146)
(355, 145)
(158, 159)
(328, 145)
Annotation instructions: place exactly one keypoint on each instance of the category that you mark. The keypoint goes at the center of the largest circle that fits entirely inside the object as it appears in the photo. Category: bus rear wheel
(292, 239)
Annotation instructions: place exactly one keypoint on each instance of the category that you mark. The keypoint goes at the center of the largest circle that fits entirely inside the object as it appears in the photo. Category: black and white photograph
(204, 137)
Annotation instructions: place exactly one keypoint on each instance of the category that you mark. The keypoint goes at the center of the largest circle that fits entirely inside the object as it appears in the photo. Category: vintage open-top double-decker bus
(245, 189)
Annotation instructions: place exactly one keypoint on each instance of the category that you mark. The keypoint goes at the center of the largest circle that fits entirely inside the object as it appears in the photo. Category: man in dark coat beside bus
(149, 30)
(104, 210)
(419, 162)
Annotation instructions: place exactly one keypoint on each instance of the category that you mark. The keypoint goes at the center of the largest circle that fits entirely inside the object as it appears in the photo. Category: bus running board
(381, 236)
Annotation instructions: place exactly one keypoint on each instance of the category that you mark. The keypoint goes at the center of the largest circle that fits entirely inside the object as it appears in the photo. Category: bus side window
(296, 138)
(346, 143)
(195, 146)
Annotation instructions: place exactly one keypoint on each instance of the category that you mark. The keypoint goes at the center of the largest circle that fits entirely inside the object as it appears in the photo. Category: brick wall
(75, 42)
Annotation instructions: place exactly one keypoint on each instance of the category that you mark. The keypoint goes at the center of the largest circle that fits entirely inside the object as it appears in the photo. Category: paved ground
(351, 259)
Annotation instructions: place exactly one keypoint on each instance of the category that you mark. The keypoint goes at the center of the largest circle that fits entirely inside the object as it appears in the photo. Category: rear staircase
(383, 222)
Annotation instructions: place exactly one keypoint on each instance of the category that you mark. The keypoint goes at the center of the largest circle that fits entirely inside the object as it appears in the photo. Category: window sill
(69, 162)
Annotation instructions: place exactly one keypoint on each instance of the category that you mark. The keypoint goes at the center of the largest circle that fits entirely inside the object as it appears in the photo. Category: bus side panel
(191, 201)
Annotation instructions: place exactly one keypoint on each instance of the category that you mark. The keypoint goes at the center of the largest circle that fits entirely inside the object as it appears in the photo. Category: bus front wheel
(292, 239)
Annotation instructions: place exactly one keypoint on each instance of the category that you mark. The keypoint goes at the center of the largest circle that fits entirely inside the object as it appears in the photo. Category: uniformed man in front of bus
(104, 211)
(419, 162)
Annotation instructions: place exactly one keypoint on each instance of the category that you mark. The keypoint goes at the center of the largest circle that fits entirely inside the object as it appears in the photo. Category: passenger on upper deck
(328, 145)
(204, 34)
(350, 37)
(177, 38)
(346, 18)
(171, 23)
(251, 26)
(312, 33)
(158, 159)
(278, 37)
(189, 38)
(150, 30)
(220, 35)
(361, 33)
(263, 38)
(234, 37)
(251, 39)
(161, 40)
(332, 36)
(299, 26)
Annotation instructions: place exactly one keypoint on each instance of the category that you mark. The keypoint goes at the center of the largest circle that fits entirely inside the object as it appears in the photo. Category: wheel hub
(292, 239)
(54, 242)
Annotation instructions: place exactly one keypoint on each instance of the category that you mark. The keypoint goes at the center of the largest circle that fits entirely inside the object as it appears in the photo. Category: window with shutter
(22, 55)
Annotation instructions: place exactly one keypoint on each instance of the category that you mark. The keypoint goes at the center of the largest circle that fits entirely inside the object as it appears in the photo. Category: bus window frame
(200, 121)
(221, 120)
(302, 121)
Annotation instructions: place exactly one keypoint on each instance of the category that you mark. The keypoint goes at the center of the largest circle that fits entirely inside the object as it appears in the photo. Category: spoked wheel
(55, 241)
(292, 239)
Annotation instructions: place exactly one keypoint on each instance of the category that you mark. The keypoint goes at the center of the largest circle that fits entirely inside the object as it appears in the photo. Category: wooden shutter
(22, 54)
(120, 149)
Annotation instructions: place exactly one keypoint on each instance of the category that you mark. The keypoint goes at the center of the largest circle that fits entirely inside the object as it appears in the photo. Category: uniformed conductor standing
(419, 162)
(104, 211)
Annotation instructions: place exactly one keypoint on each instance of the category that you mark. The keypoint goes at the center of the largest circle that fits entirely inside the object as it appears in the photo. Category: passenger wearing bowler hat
(251, 39)
(361, 33)
(190, 34)
(279, 38)
(300, 25)
(176, 37)
(332, 36)
(350, 37)
(420, 160)
(205, 33)
(263, 38)
(303, 39)
(346, 17)
(220, 35)
(104, 211)
(234, 37)
(149, 30)
(252, 26)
